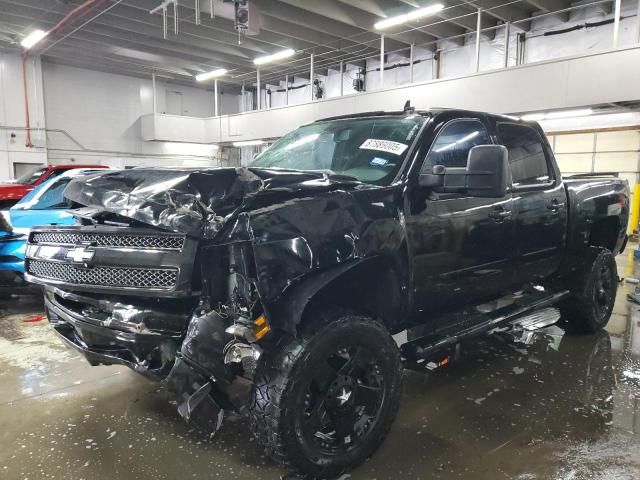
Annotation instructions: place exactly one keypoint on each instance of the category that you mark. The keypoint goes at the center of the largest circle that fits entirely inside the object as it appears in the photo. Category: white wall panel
(12, 114)
(110, 115)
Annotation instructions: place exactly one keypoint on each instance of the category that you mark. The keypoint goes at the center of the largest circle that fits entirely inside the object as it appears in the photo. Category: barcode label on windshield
(384, 146)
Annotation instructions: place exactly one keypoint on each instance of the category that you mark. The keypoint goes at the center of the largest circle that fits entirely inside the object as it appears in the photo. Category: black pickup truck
(291, 275)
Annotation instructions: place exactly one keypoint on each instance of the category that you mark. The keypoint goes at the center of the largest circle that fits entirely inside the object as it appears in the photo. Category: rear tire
(323, 402)
(593, 292)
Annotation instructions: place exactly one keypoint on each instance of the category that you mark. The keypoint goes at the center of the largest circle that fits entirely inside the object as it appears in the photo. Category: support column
(164, 22)
(381, 62)
(341, 78)
(311, 77)
(286, 89)
(216, 111)
(244, 99)
(638, 20)
(478, 35)
(411, 59)
(507, 34)
(259, 102)
(154, 93)
(175, 17)
(616, 24)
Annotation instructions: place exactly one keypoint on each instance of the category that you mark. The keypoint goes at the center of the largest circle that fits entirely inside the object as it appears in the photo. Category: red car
(11, 193)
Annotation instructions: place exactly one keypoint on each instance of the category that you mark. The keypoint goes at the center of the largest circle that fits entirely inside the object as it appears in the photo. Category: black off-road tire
(276, 410)
(593, 292)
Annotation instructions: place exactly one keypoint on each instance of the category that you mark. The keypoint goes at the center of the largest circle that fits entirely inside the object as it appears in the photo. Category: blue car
(44, 205)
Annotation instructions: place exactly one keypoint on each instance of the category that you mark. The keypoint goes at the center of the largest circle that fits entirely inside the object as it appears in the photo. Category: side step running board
(538, 319)
(524, 315)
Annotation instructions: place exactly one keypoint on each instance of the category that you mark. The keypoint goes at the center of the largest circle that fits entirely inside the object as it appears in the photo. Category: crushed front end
(120, 295)
(187, 276)
(142, 281)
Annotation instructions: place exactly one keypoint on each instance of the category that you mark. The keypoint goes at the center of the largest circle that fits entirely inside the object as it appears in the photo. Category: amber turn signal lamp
(262, 328)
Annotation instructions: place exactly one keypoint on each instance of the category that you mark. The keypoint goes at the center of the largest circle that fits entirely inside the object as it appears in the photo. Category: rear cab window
(527, 156)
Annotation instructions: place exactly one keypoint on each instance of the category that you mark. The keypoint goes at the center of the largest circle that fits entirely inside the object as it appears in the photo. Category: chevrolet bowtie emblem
(80, 255)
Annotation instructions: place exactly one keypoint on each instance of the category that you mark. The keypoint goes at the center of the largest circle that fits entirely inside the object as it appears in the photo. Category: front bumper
(149, 353)
(12, 254)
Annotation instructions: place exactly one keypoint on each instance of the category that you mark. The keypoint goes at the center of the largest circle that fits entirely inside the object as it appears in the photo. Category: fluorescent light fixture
(537, 117)
(273, 57)
(33, 38)
(248, 143)
(203, 77)
(534, 117)
(407, 17)
(583, 112)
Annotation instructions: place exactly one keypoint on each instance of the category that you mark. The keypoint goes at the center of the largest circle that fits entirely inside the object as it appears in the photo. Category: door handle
(555, 206)
(500, 215)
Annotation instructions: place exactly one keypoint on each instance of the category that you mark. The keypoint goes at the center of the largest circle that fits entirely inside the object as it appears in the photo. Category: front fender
(286, 312)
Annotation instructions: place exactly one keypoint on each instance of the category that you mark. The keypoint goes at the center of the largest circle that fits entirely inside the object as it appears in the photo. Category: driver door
(461, 247)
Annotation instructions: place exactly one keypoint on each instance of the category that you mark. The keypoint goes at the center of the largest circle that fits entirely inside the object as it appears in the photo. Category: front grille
(163, 278)
(117, 240)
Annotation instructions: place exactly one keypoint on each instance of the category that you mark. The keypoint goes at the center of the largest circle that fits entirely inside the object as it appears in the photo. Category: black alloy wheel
(593, 291)
(342, 401)
(324, 401)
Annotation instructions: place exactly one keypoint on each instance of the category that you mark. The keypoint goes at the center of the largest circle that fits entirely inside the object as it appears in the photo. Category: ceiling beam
(91, 56)
(498, 9)
(97, 34)
(547, 6)
(466, 17)
(379, 8)
(275, 32)
(131, 19)
(350, 21)
(294, 37)
(157, 62)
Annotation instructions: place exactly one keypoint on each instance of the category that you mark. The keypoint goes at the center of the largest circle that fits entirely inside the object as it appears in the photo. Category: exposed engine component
(243, 354)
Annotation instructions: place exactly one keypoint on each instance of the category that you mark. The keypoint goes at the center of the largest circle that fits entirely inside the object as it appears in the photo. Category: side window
(451, 147)
(526, 154)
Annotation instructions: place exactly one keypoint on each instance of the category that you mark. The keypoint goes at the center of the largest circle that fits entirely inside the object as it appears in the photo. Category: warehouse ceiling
(122, 36)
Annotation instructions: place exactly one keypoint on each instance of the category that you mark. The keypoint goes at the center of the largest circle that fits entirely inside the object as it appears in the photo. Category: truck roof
(73, 166)
(430, 112)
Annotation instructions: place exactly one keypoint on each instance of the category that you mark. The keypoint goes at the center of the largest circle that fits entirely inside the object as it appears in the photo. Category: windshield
(369, 149)
(46, 196)
(31, 176)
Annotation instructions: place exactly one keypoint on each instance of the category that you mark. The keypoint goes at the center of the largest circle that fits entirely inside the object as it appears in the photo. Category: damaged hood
(189, 201)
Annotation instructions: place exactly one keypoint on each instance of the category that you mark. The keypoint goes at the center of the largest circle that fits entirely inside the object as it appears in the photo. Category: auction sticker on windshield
(384, 146)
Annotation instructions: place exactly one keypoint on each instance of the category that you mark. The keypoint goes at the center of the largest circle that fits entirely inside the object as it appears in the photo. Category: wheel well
(374, 288)
(604, 233)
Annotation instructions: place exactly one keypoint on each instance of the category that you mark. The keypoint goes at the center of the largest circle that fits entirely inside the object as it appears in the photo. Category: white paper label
(384, 146)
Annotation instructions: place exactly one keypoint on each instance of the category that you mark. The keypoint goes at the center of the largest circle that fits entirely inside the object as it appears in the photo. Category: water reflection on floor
(564, 407)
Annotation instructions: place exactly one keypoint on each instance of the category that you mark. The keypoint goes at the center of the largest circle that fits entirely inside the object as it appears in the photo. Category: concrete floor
(563, 408)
